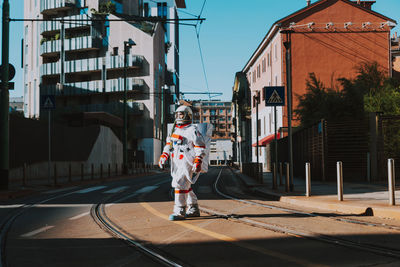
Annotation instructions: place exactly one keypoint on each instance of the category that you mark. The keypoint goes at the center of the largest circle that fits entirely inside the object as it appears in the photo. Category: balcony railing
(80, 88)
(91, 64)
(78, 43)
(50, 5)
(115, 108)
(51, 26)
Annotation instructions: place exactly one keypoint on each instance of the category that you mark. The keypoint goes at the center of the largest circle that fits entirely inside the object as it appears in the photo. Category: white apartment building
(264, 68)
(168, 9)
(92, 73)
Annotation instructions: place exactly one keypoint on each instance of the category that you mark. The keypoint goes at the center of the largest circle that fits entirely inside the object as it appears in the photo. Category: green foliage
(105, 8)
(370, 91)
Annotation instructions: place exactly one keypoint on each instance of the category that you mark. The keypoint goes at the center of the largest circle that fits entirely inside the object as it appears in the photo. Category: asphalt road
(62, 231)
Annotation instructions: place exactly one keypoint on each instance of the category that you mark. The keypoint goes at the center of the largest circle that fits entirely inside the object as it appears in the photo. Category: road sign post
(48, 102)
(275, 96)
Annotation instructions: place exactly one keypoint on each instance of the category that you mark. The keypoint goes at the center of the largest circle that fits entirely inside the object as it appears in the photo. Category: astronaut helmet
(187, 115)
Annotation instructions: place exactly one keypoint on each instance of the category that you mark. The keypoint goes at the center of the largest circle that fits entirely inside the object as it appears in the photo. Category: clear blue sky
(228, 37)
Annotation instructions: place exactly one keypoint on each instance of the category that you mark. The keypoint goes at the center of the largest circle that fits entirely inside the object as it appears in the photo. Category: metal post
(92, 172)
(82, 172)
(368, 167)
(339, 171)
(49, 145)
(62, 57)
(24, 175)
(125, 130)
(391, 182)
(4, 100)
(274, 174)
(274, 181)
(101, 171)
(280, 173)
(55, 174)
(308, 179)
(109, 170)
(70, 172)
(287, 179)
(287, 44)
(256, 99)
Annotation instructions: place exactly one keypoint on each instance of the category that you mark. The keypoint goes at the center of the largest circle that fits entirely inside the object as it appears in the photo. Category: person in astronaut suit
(185, 148)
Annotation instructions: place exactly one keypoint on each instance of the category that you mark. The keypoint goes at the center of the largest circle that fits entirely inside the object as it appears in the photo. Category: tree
(370, 91)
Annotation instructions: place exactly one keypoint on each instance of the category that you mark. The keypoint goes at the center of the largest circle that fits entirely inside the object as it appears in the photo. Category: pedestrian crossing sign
(48, 102)
(274, 95)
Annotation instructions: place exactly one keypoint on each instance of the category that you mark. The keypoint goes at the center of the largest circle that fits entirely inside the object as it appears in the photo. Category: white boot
(179, 213)
(193, 210)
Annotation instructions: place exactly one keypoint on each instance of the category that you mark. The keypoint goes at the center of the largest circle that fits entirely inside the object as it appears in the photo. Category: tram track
(380, 250)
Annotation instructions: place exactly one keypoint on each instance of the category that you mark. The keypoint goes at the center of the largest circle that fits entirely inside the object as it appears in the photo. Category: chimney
(308, 2)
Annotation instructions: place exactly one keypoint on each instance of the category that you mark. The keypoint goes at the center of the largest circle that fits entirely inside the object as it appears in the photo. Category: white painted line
(116, 190)
(59, 190)
(61, 205)
(79, 216)
(90, 189)
(146, 189)
(11, 206)
(37, 231)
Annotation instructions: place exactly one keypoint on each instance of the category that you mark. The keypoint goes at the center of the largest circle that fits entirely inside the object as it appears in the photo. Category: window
(162, 10)
(263, 65)
(254, 76)
(221, 111)
(115, 51)
(276, 52)
(146, 10)
(269, 59)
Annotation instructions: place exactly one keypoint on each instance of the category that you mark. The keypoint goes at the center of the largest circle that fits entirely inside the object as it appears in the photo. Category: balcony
(49, 7)
(55, 26)
(134, 85)
(91, 64)
(116, 108)
(73, 44)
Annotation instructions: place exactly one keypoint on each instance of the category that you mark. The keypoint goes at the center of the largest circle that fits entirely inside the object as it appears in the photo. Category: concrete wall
(220, 150)
(106, 150)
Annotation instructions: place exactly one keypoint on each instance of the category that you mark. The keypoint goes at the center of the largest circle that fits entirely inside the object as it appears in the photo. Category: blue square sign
(274, 95)
(48, 101)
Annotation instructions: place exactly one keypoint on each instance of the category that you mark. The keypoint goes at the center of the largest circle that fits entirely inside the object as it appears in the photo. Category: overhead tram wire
(200, 50)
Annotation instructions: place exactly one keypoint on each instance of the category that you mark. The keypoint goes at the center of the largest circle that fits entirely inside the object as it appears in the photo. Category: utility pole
(127, 45)
(287, 45)
(4, 100)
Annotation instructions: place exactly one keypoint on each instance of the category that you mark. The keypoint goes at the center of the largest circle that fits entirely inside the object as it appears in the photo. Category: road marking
(232, 240)
(146, 189)
(37, 231)
(90, 189)
(116, 190)
(11, 206)
(79, 216)
(61, 205)
(140, 191)
(58, 190)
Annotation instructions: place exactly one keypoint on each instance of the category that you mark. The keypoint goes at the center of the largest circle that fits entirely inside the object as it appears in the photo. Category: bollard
(391, 182)
(308, 179)
(24, 175)
(109, 170)
(55, 174)
(287, 186)
(274, 173)
(92, 171)
(82, 172)
(70, 173)
(339, 170)
(101, 171)
(280, 173)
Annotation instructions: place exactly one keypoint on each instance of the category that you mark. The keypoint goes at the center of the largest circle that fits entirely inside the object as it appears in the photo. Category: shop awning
(266, 140)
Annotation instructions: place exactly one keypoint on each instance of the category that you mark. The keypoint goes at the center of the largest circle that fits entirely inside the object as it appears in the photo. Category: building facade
(328, 38)
(80, 53)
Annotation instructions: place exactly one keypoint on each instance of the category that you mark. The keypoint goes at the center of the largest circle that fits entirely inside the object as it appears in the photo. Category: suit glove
(197, 164)
(163, 158)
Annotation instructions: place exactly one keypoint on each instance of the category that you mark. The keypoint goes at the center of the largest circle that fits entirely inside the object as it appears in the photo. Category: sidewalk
(358, 198)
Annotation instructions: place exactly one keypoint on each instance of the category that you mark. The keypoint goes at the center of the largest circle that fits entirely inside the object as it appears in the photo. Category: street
(125, 223)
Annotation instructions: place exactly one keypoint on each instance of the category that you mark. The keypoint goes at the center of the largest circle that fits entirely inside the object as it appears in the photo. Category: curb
(329, 204)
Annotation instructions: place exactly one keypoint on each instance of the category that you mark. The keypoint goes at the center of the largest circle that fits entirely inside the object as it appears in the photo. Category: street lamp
(127, 45)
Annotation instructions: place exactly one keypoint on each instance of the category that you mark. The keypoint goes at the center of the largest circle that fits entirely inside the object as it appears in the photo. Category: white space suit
(185, 148)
